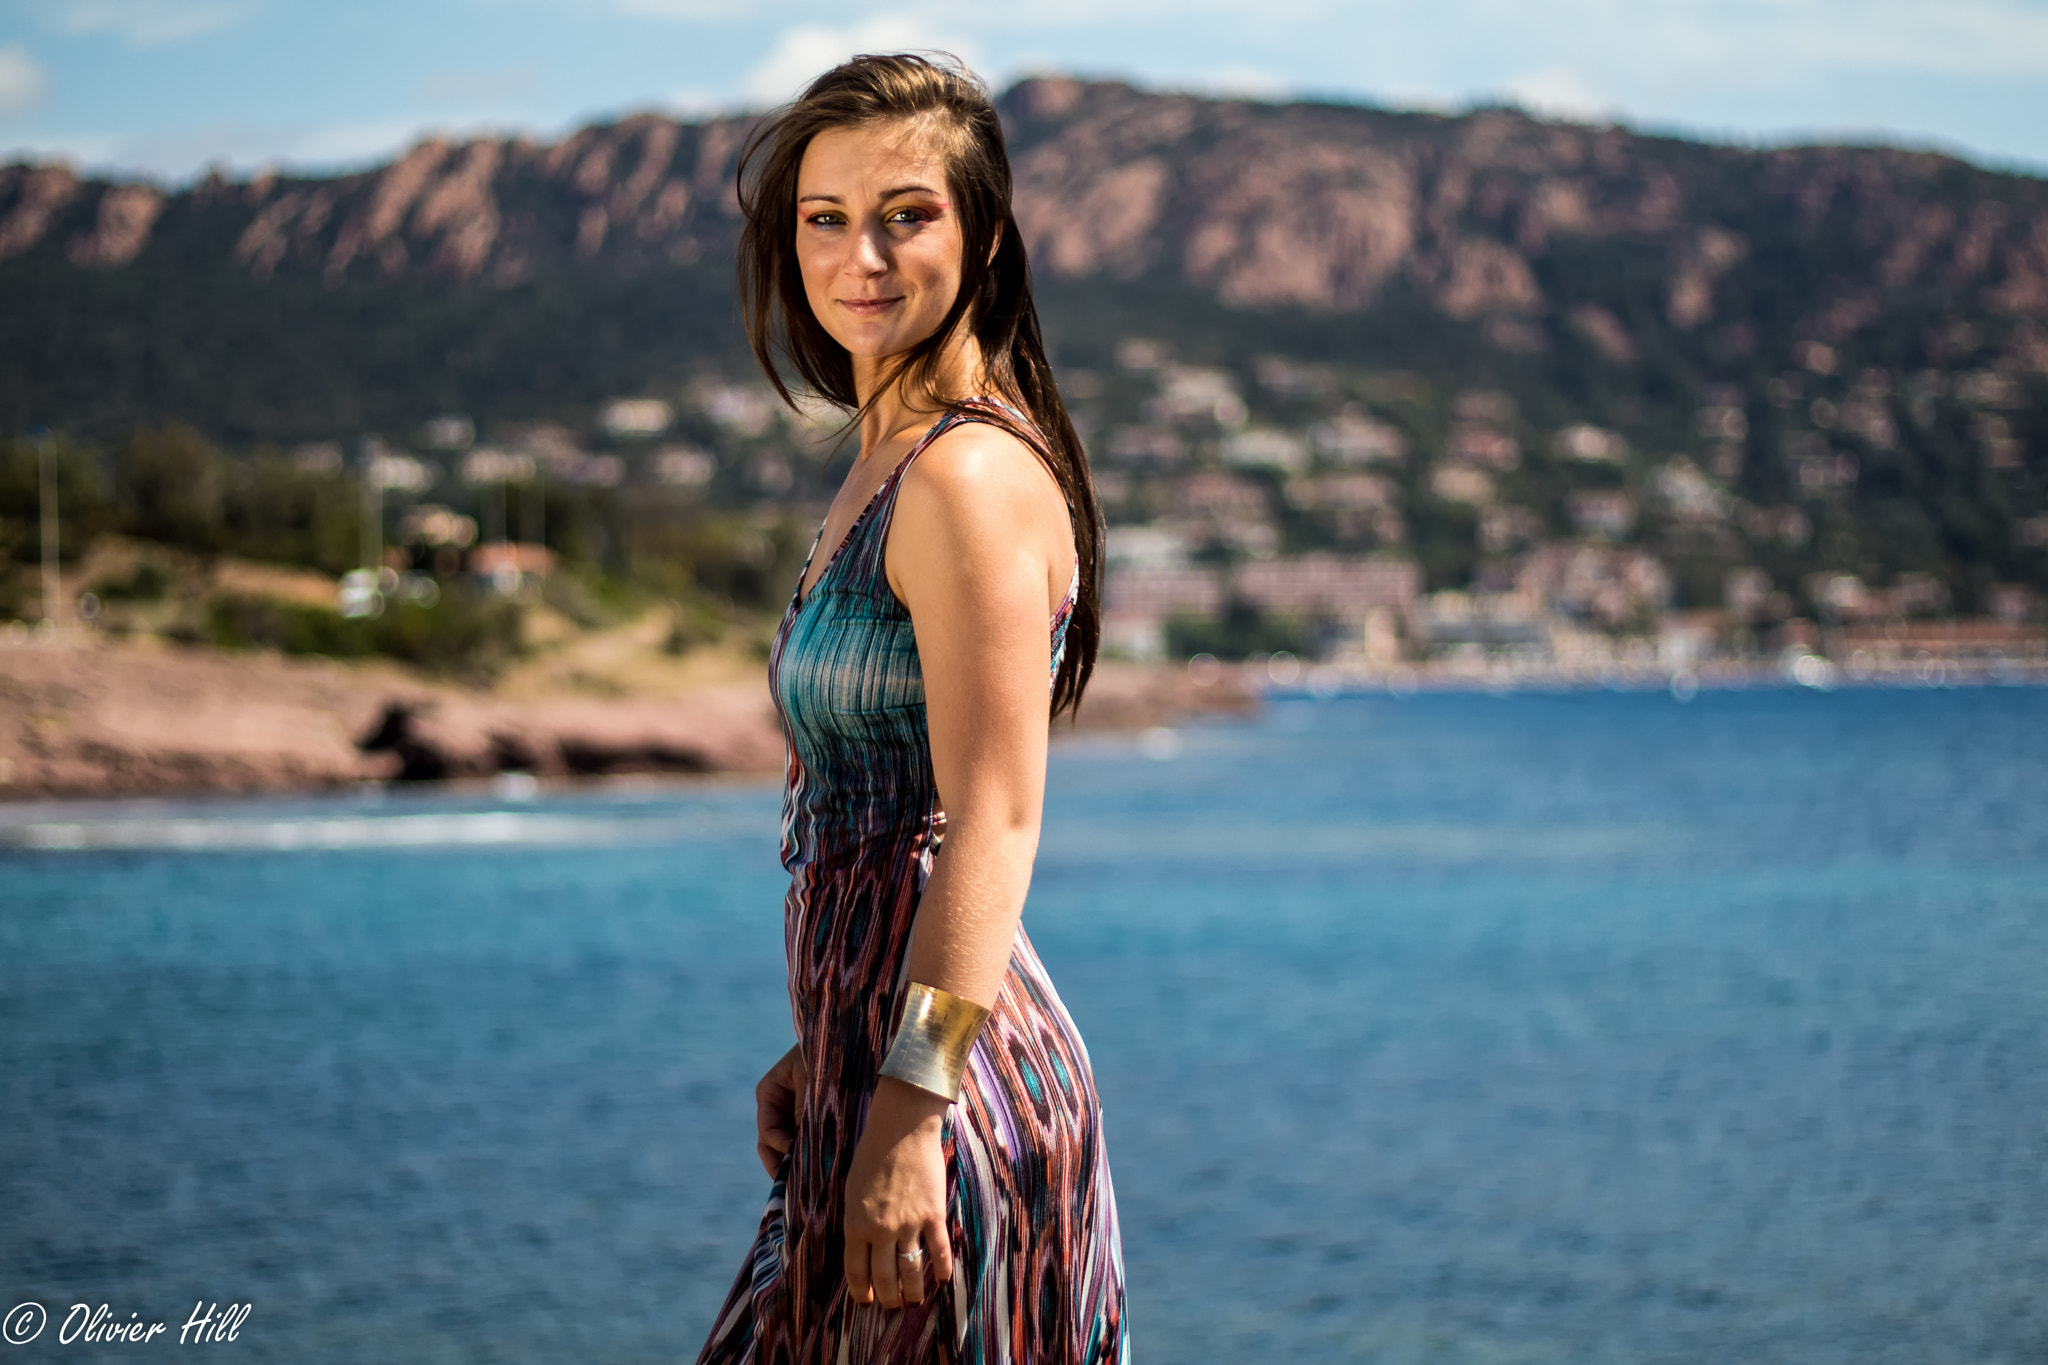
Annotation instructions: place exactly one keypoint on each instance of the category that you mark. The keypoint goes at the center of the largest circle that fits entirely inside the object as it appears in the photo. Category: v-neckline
(800, 598)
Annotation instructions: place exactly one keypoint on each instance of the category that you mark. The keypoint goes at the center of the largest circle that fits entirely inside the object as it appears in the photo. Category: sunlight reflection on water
(1554, 1028)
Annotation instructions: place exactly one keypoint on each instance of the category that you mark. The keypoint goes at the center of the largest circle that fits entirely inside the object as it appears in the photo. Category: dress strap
(1024, 419)
(966, 410)
(869, 552)
(952, 417)
(864, 545)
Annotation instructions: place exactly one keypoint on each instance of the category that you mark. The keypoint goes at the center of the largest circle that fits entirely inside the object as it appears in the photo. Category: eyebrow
(886, 194)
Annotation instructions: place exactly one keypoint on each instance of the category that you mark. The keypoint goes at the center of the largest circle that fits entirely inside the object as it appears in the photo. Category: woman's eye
(911, 216)
(823, 220)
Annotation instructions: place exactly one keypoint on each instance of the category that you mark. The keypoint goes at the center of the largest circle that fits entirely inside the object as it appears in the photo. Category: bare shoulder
(977, 470)
(976, 481)
(980, 498)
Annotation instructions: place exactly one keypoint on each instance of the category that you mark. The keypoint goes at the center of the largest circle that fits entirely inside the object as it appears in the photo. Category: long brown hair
(994, 302)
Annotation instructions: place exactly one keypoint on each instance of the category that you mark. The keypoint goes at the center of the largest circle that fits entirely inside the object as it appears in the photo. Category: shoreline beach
(85, 715)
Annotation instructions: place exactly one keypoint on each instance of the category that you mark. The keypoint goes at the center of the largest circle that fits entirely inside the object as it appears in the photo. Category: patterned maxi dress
(1031, 1214)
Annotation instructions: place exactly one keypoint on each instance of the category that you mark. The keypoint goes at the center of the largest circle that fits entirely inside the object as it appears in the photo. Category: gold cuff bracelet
(932, 1042)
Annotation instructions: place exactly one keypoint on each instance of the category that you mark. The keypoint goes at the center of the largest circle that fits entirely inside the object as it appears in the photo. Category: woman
(941, 1188)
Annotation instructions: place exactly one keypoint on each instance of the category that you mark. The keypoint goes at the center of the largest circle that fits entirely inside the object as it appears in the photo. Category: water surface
(1545, 1028)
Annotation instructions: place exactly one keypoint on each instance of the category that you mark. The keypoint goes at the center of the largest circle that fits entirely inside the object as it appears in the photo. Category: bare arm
(980, 535)
(973, 557)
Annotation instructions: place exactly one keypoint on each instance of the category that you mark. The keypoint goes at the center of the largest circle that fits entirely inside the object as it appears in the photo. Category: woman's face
(878, 243)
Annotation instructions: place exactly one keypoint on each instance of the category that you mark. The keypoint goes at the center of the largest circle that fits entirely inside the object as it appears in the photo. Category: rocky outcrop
(92, 717)
(433, 738)
(121, 231)
(33, 196)
(641, 192)
(1326, 207)
(89, 716)
(80, 719)
(1299, 205)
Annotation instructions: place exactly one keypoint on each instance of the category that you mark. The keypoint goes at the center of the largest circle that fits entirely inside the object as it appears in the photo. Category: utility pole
(47, 477)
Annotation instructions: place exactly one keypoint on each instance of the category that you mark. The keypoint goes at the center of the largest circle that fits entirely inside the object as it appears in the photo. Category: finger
(938, 1252)
(768, 1115)
(860, 1285)
(774, 1102)
(888, 1286)
(771, 1160)
(771, 1088)
(910, 1274)
(772, 1145)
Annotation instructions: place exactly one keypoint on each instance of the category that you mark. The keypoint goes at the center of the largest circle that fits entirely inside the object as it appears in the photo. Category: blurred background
(1550, 864)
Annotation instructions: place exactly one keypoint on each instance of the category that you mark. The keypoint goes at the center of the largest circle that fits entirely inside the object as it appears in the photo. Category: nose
(866, 257)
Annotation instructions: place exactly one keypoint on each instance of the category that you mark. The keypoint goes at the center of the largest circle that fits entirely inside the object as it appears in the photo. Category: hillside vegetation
(1803, 381)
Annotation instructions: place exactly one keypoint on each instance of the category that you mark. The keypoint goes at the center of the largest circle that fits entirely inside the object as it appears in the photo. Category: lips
(870, 307)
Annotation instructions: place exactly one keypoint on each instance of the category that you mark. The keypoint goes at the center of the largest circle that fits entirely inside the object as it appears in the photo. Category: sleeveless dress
(1030, 1212)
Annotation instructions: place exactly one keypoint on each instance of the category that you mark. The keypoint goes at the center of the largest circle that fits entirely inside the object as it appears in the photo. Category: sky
(171, 88)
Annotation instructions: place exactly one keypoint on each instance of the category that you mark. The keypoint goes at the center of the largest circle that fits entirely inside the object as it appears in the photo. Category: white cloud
(694, 102)
(1955, 37)
(1561, 93)
(339, 145)
(239, 148)
(149, 23)
(806, 51)
(1694, 46)
(1960, 69)
(1243, 82)
(23, 85)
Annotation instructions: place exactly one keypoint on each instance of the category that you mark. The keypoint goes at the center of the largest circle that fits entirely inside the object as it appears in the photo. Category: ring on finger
(914, 1256)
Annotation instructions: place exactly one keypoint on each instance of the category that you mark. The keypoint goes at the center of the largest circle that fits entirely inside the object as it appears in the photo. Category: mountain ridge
(1848, 344)
(1277, 203)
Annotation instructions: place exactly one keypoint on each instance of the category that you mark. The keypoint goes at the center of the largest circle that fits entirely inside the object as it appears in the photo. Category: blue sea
(1563, 1028)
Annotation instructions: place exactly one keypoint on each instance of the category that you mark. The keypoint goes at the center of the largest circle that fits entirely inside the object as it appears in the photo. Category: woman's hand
(776, 1100)
(896, 1199)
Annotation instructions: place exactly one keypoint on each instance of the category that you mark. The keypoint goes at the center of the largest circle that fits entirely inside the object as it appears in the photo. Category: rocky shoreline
(87, 716)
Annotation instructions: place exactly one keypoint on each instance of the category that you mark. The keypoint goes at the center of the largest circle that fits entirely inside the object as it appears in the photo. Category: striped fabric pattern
(1031, 1212)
